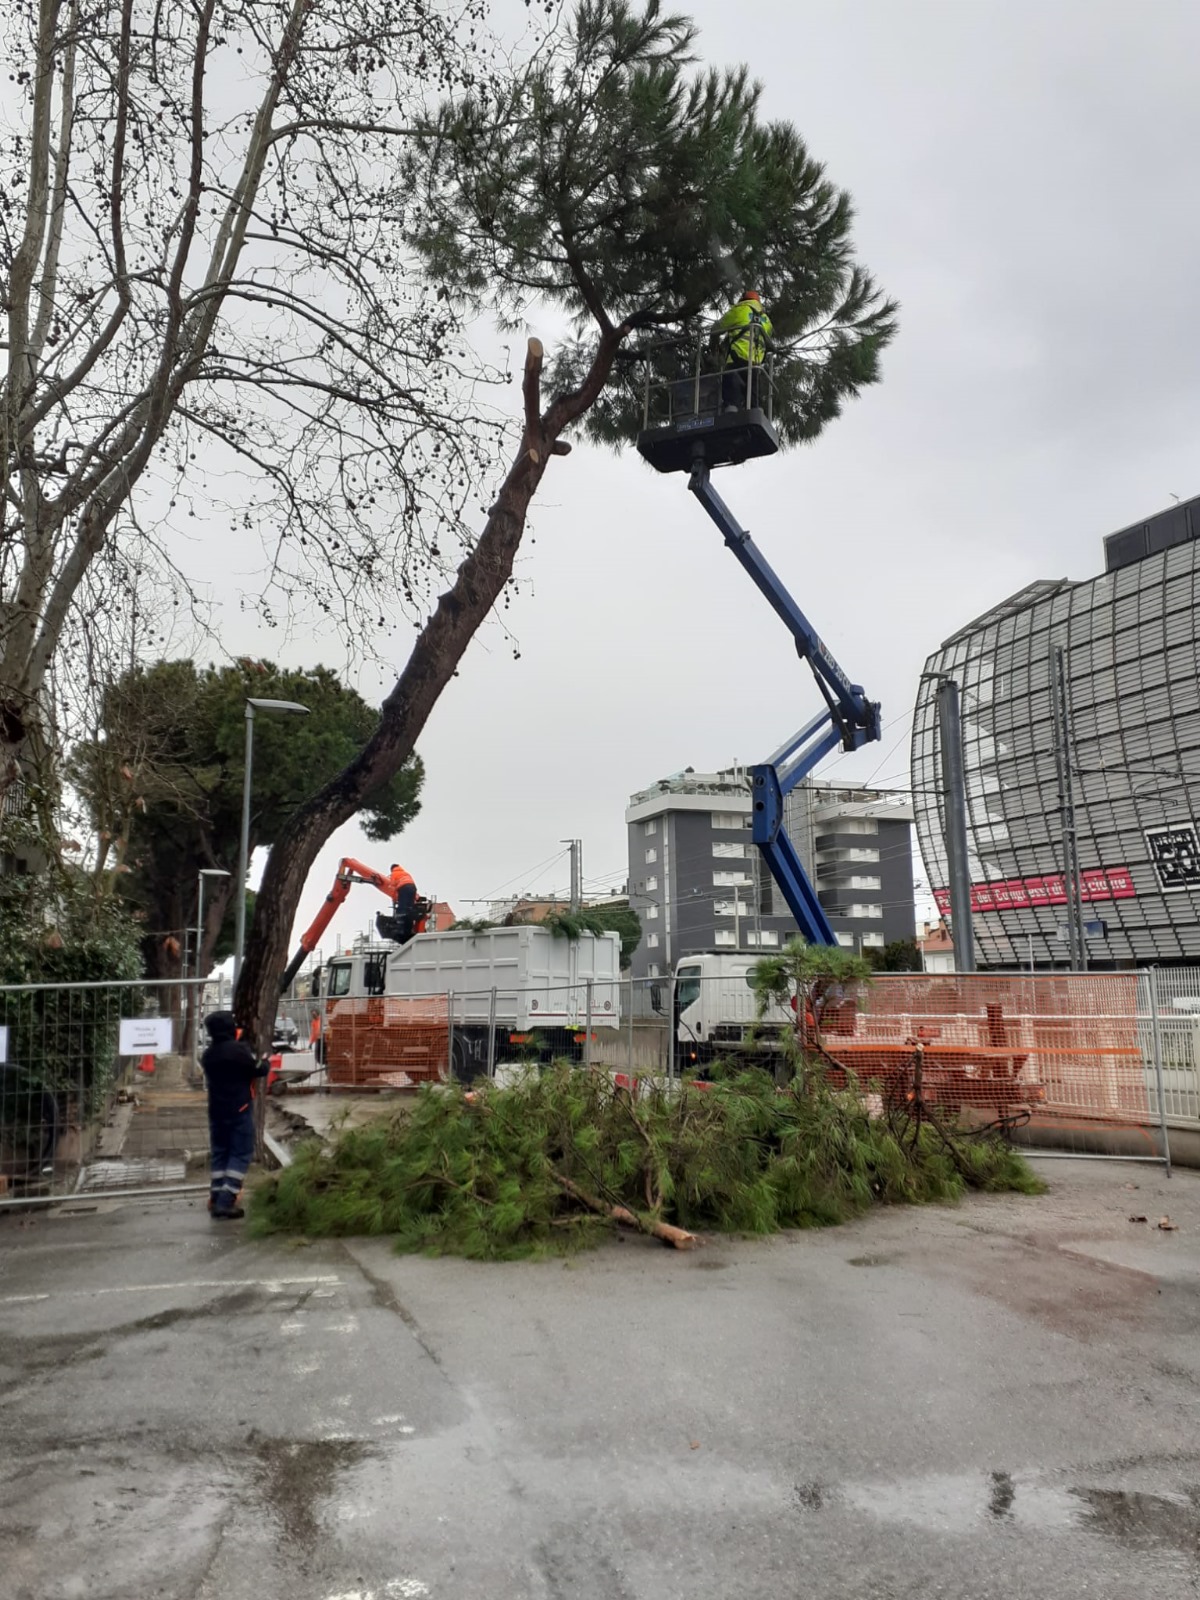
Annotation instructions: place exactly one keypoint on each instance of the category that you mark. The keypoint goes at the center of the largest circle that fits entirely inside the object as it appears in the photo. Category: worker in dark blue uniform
(230, 1069)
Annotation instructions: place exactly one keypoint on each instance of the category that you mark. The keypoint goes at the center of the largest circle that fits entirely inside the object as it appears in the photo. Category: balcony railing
(15, 799)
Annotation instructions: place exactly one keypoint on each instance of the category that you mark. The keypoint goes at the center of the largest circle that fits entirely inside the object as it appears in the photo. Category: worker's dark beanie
(221, 1025)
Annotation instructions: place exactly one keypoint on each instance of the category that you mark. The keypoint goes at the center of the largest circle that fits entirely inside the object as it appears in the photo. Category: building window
(650, 827)
(651, 885)
(846, 940)
(651, 857)
(728, 819)
(872, 941)
(652, 942)
(859, 882)
(767, 936)
(651, 913)
(724, 936)
(730, 880)
(730, 852)
(840, 855)
(851, 824)
(864, 912)
(724, 908)
(652, 970)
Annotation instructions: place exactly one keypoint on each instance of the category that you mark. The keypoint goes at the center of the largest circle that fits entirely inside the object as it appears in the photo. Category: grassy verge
(556, 1162)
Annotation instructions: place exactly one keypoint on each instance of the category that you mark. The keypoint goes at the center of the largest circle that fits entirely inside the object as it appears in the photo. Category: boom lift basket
(685, 419)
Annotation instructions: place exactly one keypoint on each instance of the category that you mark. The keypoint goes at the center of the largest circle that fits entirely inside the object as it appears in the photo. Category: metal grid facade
(1133, 669)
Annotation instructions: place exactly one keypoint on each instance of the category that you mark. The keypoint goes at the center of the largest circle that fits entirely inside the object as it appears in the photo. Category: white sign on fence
(3, 1046)
(145, 1036)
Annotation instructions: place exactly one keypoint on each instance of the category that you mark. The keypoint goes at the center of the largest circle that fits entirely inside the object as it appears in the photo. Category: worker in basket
(747, 327)
(410, 913)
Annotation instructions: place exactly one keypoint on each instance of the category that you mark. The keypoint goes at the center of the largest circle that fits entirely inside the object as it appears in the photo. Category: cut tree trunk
(677, 1238)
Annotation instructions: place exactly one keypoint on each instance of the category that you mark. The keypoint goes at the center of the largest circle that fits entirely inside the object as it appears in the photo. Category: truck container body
(429, 1004)
(540, 978)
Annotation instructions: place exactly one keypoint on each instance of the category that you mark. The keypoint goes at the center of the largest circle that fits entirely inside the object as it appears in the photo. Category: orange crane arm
(349, 873)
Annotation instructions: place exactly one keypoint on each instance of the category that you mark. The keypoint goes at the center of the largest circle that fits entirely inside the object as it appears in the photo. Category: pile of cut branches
(561, 1159)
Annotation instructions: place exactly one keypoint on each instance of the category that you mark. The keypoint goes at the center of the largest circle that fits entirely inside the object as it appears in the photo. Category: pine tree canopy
(617, 180)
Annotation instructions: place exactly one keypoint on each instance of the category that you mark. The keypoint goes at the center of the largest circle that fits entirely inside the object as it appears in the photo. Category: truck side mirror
(656, 998)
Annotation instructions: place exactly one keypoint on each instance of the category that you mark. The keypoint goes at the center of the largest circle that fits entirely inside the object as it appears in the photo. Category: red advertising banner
(1020, 894)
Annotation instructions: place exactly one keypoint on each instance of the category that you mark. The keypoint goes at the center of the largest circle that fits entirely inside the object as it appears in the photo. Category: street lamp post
(244, 847)
(205, 872)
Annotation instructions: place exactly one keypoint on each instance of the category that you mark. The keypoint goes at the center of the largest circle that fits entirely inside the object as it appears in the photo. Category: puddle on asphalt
(297, 1474)
(871, 1261)
(964, 1504)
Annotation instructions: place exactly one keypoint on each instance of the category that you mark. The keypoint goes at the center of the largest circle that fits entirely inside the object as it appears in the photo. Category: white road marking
(393, 1589)
(396, 1423)
(271, 1285)
(294, 1325)
(350, 1325)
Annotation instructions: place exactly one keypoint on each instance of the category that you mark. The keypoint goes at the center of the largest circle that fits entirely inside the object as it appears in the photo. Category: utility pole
(575, 846)
(1060, 701)
(955, 795)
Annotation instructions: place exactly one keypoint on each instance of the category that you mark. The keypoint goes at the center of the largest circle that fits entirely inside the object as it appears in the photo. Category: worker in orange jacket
(404, 893)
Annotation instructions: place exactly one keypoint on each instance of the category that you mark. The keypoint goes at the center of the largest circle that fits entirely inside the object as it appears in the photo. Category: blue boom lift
(697, 433)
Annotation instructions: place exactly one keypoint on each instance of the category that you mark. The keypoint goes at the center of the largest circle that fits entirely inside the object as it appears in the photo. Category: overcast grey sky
(1025, 177)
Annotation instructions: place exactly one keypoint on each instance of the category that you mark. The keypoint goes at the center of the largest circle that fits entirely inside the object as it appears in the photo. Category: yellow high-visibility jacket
(757, 330)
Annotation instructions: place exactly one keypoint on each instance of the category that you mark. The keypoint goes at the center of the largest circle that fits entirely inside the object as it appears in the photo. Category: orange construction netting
(387, 1041)
(1061, 1045)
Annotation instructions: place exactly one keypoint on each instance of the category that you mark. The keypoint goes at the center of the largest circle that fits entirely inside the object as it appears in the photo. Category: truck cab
(716, 1013)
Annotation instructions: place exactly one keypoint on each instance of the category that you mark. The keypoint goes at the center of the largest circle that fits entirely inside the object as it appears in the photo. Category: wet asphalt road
(996, 1401)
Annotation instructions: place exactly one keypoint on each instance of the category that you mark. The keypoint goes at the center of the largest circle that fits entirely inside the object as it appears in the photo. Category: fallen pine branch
(553, 1163)
(679, 1238)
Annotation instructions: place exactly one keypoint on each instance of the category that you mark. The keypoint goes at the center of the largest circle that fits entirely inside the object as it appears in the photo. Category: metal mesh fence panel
(95, 1090)
(1169, 1003)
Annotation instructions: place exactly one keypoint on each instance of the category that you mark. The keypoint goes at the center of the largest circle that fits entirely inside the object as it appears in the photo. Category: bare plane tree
(212, 320)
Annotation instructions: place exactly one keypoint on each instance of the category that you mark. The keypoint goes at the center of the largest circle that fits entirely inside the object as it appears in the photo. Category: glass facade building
(1131, 743)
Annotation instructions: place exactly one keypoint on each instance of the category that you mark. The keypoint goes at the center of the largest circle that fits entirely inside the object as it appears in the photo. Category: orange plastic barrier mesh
(1063, 1045)
(386, 1040)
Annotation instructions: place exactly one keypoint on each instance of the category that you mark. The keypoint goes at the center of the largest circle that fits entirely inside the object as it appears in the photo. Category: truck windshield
(339, 980)
(687, 987)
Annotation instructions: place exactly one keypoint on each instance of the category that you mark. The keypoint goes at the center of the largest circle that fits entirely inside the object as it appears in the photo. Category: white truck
(716, 1013)
(521, 990)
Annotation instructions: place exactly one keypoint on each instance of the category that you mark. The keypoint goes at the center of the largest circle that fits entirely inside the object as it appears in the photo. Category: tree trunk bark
(459, 613)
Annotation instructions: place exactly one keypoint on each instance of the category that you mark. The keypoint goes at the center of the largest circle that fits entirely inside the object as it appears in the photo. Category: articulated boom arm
(849, 720)
(348, 874)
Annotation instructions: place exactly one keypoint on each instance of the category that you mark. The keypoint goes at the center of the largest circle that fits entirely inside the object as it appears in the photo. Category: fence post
(449, 1035)
(1156, 1039)
(587, 1028)
(629, 1061)
(491, 1053)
